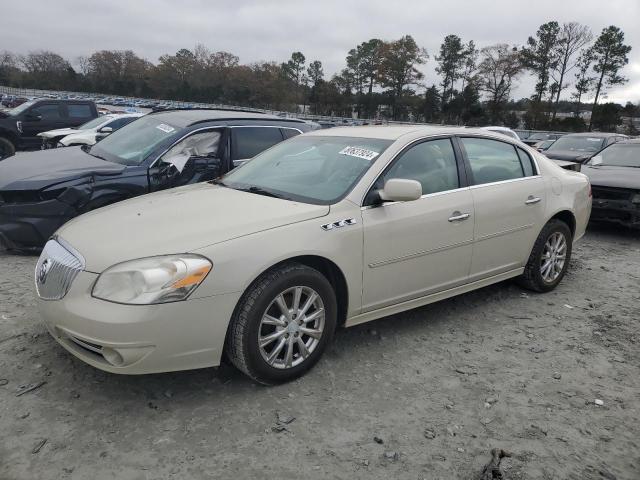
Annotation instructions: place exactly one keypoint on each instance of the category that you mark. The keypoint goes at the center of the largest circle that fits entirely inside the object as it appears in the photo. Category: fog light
(112, 356)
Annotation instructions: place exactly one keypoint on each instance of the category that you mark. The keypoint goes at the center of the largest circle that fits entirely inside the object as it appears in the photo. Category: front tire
(282, 324)
(549, 258)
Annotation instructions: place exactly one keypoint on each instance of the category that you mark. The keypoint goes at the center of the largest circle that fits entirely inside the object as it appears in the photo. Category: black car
(19, 127)
(580, 147)
(615, 183)
(536, 137)
(40, 191)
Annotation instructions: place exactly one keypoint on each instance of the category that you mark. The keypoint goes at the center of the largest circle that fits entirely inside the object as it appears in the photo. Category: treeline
(380, 79)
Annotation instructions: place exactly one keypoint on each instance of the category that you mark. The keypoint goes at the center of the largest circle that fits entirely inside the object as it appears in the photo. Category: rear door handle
(458, 217)
(532, 200)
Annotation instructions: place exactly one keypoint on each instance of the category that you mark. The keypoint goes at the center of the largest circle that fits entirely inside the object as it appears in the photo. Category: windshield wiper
(262, 191)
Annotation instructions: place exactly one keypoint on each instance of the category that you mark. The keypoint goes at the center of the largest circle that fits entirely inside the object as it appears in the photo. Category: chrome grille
(56, 270)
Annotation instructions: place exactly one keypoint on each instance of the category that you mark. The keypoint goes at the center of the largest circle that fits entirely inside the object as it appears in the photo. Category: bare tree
(572, 38)
(498, 68)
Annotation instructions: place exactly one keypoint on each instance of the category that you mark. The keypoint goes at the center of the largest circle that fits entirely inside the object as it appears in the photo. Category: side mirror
(106, 130)
(400, 190)
(595, 161)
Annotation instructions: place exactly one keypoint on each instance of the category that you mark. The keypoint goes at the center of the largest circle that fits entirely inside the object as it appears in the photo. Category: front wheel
(282, 324)
(6, 148)
(549, 258)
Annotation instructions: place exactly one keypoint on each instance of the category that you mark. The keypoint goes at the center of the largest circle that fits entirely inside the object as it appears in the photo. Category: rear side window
(492, 161)
(49, 111)
(527, 163)
(79, 111)
(247, 142)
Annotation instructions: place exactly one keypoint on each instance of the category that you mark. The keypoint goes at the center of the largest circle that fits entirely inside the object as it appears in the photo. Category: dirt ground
(424, 394)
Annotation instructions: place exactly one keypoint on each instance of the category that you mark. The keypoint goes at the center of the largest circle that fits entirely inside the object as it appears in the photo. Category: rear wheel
(282, 324)
(549, 258)
(6, 148)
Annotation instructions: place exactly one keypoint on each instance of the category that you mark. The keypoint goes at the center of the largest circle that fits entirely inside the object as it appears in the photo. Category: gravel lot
(437, 387)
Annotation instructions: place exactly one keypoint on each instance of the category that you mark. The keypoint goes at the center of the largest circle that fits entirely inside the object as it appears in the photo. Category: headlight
(169, 278)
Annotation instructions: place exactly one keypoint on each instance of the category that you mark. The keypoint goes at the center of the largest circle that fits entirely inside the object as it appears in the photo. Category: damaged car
(40, 191)
(580, 147)
(615, 182)
(332, 228)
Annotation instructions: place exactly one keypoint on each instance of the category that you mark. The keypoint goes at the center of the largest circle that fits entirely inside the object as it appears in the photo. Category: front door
(416, 248)
(41, 118)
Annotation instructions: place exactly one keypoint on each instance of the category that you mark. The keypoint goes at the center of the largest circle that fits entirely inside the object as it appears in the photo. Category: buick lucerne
(331, 228)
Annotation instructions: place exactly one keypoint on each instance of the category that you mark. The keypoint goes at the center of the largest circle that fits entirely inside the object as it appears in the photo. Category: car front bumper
(622, 212)
(139, 339)
(27, 226)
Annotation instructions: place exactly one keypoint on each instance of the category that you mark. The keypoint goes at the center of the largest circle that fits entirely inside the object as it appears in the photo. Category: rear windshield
(578, 144)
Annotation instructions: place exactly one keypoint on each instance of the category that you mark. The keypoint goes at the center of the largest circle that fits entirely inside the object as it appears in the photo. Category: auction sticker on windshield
(359, 153)
(165, 128)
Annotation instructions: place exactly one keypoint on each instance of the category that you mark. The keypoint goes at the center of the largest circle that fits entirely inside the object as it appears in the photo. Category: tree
(609, 55)
(450, 64)
(584, 81)
(539, 56)
(607, 117)
(315, 72)
(571, 39)
(399, 68)
(498, 68)
(431, 108)
(47, 69)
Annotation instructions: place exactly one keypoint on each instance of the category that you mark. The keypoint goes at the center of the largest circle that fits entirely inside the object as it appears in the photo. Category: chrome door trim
(504, 232)
(422, 253)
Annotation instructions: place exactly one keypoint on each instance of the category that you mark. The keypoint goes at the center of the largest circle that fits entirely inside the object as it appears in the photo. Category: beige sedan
(332, 228)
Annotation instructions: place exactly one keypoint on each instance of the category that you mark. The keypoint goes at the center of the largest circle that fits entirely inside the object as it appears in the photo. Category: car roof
(190, 117)
(394, 132)
(594, 134)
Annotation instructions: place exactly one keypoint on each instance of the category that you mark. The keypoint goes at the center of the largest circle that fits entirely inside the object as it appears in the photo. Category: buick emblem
(43, 271)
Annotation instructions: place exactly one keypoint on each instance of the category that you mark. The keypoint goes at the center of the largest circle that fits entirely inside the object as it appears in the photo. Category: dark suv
(40, 191)
(19, 127)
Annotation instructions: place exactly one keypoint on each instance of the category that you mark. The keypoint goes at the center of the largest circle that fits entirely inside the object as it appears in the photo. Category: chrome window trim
(266, 126)
(500, 182)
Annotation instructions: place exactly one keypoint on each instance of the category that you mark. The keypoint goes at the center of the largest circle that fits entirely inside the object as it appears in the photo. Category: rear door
(78, 113)
(509, 199)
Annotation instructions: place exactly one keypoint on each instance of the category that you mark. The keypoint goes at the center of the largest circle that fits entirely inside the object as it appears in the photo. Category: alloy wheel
(554, 256)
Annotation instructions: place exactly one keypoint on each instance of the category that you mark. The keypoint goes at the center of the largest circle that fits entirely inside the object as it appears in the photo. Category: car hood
(610, 176)
(58, 133)
(40, 169)
(176, 221)
(570, 155)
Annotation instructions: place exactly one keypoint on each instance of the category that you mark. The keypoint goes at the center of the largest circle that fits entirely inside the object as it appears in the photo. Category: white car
(88, 133)
(503, 131)
(332, 228)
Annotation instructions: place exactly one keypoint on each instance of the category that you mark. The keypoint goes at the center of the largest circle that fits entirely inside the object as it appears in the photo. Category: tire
(6, 148)
(538, 278)
(259, 304)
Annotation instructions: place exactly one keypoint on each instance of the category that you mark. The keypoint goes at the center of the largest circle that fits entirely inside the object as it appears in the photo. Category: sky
(323, 30)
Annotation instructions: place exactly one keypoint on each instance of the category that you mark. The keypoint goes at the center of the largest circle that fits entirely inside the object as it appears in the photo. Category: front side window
(247, 142)
(201, 144)
(492, 161)
(49, 111)
(431, 163)
(312, 169)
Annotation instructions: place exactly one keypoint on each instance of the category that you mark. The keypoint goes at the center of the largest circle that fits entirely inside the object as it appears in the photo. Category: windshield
(312, 169)
(621, 155)
(578, 144)
(94, 123)
(131, 144)
(14, 112)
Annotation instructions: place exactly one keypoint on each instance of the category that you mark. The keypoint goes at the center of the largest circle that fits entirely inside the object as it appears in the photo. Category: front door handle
(532, 200)
(458, 217)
